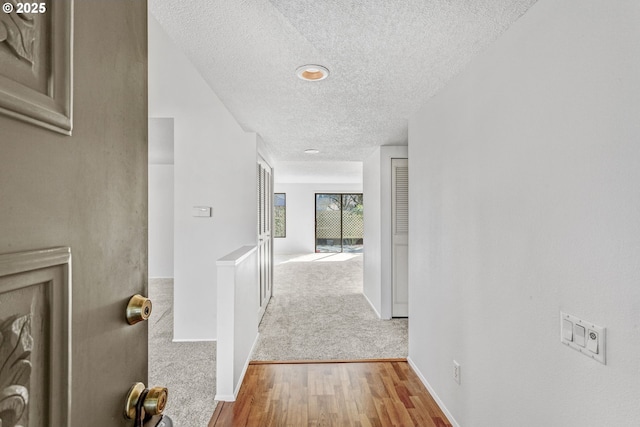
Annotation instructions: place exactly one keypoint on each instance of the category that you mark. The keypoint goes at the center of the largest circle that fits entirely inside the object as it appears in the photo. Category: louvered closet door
(400, 235)
(265, 225)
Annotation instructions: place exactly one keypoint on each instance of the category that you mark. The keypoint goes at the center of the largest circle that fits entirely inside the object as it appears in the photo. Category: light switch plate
(567, 330)
(202, 211)
(600, 332)
(456, 372)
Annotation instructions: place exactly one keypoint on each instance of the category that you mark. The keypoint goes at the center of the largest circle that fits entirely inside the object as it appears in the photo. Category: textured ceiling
(318, 172)
(386, 58)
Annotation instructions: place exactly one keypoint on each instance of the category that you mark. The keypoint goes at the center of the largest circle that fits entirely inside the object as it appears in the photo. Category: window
(280, 214)
(339, 223)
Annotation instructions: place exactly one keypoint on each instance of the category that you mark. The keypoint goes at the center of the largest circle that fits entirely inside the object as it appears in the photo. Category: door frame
(264, 201)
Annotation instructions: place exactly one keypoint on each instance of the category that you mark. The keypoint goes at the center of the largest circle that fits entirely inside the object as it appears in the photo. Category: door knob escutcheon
(132, 400)
(138, 309)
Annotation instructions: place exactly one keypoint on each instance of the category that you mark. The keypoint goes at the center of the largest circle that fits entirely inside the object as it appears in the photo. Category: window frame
(315, 217)
(284, 206)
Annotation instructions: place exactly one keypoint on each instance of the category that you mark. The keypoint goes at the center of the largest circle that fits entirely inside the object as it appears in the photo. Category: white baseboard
(232, 397)
(433, 393)
(244, 369)
(195, 340)
(224, 398)
(372, 307)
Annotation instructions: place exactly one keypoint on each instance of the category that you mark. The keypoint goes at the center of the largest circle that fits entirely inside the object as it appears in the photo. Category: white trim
(244, 369)
(372, 306)
(237, 256)
(224, 398)
(433, 393)
(194, 340)
(232, 397)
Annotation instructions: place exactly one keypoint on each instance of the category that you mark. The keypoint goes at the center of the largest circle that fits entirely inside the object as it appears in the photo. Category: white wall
(160, 221)
(215, 162)
(525, 201)
(301, 214)
(160, 197)
(377, 228)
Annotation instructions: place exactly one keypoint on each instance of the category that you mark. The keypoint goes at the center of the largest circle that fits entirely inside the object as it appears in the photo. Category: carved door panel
(67, 355)
(34, 338)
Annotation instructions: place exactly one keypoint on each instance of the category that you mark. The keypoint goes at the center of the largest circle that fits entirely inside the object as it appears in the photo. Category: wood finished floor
(376, 394)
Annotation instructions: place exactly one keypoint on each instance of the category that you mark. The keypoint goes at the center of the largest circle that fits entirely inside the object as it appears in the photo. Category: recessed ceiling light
(312, 151)
(312, 73)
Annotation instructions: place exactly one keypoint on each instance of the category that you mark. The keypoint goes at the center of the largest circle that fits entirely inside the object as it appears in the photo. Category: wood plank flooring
(369, 394)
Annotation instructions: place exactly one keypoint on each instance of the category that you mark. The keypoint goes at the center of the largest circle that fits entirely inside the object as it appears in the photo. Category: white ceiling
(318, 172)
(386, 58)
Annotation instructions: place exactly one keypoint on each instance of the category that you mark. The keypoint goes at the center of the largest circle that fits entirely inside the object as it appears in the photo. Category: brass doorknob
(156, 400)
(132, 400)
(153, 401)
(138, 309)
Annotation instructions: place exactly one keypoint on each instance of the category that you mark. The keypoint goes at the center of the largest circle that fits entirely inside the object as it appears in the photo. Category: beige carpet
(318, 311)
(187, 369)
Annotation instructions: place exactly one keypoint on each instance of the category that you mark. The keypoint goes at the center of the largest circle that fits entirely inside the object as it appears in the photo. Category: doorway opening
(339, 225)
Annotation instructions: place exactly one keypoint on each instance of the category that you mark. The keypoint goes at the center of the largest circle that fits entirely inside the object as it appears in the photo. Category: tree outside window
(280, 215)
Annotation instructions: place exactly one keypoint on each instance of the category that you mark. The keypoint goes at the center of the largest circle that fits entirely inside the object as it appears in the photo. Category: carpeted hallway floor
(187, 369)
(318, 312)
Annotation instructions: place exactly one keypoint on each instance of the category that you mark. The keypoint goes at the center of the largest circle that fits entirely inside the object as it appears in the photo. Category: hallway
(318, 312)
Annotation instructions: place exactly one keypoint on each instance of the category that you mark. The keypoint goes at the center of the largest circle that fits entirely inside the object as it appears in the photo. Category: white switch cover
(592, 341)
(567, 330)
(579, 335)
(587, 338)
(202, 211)
(456, 371)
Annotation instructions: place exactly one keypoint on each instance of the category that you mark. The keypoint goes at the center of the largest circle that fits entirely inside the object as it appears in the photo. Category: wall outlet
(456, 371)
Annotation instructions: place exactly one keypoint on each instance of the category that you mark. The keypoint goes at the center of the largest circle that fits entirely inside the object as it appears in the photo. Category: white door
(265, 238)
(68, 355)
(399, 236)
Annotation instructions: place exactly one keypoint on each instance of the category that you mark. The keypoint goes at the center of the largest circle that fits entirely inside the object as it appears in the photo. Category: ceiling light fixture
(311, 151)
(312, 73)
